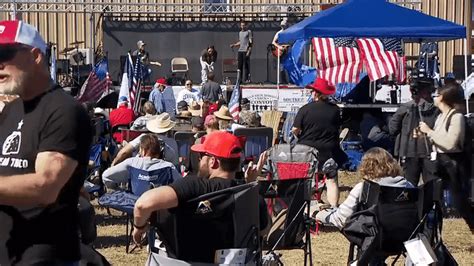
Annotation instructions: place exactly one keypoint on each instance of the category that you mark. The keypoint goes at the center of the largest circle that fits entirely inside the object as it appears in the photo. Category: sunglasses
(434, 95)
(8, 52)
(202, 154)
(189, 84)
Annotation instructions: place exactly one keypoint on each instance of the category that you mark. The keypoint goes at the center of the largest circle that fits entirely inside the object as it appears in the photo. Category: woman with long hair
(377, 165)
(447, 137)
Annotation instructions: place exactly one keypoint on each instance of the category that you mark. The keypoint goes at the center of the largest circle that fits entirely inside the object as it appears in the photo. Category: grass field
(329, 247)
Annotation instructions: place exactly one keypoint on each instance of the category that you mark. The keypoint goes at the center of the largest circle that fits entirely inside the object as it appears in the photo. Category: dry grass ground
(329, 247)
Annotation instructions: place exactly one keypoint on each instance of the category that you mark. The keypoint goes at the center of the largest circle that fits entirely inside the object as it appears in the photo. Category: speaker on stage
(458, 66)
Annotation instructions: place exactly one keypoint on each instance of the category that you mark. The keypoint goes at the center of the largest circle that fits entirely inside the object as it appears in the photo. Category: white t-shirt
(188, 96)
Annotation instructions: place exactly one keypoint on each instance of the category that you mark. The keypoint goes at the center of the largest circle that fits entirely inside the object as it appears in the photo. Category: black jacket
(404, 121)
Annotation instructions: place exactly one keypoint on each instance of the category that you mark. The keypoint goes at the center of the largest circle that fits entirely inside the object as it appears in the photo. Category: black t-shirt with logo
(53, 122)
(319, 123)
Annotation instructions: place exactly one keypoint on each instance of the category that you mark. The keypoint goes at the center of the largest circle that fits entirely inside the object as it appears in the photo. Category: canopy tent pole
(278, 78)
(465, 72)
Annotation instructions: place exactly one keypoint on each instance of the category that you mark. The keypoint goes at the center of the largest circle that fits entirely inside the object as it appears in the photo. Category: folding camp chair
(258, 140)
(139, 182)
(288, 188)
(184, 140)
(389, 216)
(224, 219)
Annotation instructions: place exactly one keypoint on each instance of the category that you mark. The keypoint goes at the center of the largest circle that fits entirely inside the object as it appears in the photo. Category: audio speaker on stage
(458, 66)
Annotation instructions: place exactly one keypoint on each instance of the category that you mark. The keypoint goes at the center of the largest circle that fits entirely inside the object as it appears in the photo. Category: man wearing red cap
(219, 161)
(317, 125)
(45, 137)
(163, 98)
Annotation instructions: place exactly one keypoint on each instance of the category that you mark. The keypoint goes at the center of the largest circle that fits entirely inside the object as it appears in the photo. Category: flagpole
(278, 78)
(465, 73)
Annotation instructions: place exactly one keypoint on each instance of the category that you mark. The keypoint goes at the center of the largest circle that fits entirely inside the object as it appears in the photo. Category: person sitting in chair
(376, 165)
(149, 111)
(122, 116)
(220, 160)
(161, 125)
(149, 159)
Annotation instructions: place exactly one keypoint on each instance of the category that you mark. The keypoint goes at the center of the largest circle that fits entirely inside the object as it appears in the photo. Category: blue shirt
(163, 101)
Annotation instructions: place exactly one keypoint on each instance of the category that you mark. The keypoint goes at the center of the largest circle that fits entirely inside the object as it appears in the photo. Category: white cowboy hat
(160, 123)
(223, 113)
(195, 109)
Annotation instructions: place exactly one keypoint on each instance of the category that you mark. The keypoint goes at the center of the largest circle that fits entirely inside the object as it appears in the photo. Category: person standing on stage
(245, 49)
(207, 59)
(282, 49)
(142, 53)
(45, 137)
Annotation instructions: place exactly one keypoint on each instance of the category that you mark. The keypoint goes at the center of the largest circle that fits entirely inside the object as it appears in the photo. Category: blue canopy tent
(377, 19)
(373, 18)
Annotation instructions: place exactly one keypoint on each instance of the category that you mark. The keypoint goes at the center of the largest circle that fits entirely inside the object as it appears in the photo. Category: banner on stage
(262, 99)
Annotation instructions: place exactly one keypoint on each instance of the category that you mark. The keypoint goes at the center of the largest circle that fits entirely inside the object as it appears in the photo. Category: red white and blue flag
(382, 58)
(96, 84)
(337, 59)
(234, 103)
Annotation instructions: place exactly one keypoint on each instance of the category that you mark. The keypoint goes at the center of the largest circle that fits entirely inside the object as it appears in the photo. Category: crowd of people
(46, 135)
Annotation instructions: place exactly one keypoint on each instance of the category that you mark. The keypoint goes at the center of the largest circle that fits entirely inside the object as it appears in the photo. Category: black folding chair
(224, 219)
(184, 139)
(387, 217)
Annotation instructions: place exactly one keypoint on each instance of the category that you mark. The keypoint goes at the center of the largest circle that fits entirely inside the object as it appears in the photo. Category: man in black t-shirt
(317, 125)
(220, 159)
(45, 137)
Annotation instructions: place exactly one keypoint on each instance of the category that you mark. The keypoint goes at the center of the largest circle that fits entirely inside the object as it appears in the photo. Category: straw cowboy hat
(184, 114)
(223, 113)
(160, 123)
(195, 109)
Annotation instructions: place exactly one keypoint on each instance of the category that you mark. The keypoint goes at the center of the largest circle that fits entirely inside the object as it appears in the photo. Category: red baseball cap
(161, 81)
(322, 86)
(19, 32)
(220, 144)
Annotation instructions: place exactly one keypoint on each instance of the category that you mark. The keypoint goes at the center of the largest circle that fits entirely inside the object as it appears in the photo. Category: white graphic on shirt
(13, 142)
(2, 28)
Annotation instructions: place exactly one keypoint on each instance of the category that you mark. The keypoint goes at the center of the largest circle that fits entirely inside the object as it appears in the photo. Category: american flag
(97, 83)
(382, 57)
(234, 103)
(136, 85)
(337, 59)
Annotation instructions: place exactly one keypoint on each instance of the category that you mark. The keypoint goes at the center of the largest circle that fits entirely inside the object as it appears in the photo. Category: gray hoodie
(338, 216)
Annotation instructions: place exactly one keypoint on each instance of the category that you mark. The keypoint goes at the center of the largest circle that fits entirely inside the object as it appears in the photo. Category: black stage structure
(166, 40)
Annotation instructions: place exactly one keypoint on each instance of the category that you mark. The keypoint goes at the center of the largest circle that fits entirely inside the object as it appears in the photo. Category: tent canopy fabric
(373, 18)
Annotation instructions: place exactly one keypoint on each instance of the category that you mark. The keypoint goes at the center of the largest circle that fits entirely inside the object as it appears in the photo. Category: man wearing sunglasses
(188, 93)
(45, 137)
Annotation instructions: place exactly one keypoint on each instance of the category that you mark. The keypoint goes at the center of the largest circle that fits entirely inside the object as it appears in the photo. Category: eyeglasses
(202, 154)
(8, 52)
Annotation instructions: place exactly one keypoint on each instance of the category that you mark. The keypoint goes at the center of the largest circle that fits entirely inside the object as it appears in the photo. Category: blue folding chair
(184, 140)
(258, 140)
(139, 182)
